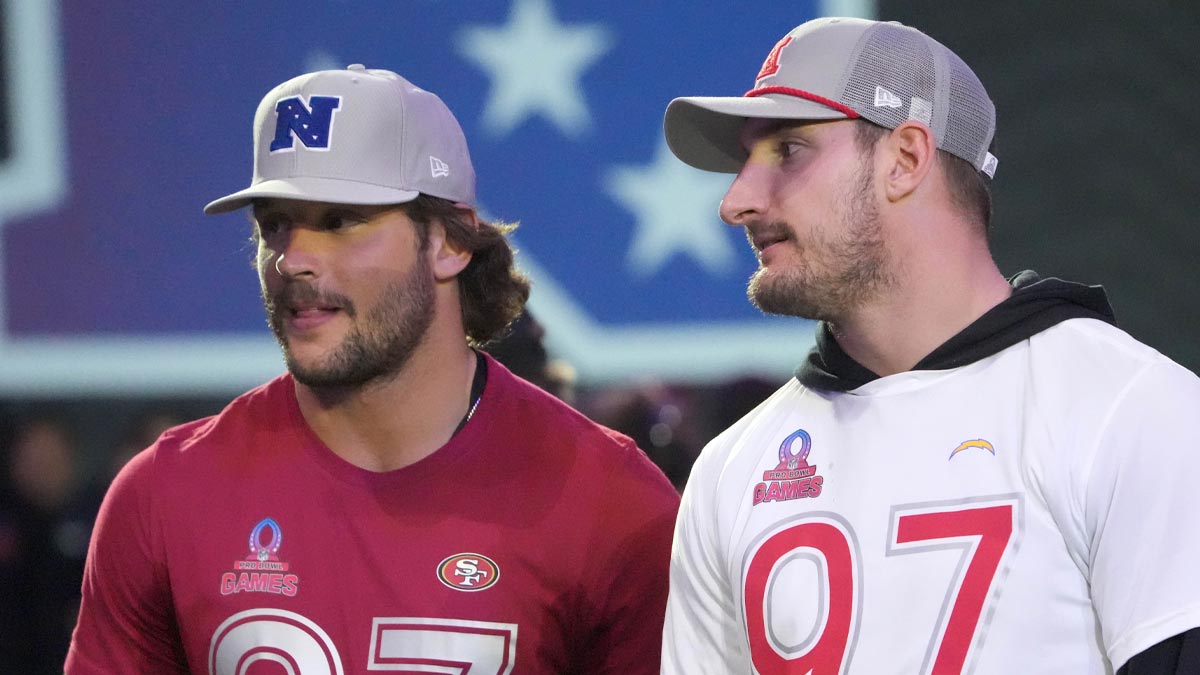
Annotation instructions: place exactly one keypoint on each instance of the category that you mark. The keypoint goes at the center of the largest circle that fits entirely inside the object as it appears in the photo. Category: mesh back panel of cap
(970, 123)
(888, 57)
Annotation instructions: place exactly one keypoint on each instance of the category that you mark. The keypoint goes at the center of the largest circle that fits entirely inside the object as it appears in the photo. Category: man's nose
(746, 199)
(297, 253)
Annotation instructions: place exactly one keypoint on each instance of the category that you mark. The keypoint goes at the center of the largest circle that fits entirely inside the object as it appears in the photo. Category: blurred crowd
(58, 457)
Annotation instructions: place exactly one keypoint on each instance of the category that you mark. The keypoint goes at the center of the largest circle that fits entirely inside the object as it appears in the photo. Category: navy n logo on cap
(312, 126)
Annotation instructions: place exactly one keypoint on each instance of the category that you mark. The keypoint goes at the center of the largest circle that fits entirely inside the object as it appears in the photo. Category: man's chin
(319, 378)
(774, 300)
(310, 369)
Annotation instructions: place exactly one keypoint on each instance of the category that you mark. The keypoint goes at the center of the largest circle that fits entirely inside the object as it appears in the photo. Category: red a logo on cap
(771, 65)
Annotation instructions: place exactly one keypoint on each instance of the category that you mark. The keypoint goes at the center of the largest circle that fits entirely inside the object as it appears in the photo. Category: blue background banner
(124, 120)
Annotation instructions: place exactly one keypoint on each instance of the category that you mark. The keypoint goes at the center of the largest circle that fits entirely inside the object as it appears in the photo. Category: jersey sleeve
(1141, 507)
(1177, 655)
(701, 634)
(126, 621)
(630, 595)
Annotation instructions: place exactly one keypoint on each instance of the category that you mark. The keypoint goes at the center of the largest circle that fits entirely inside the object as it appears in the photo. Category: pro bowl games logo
(262, 571)
(264, 552)
(793, 477)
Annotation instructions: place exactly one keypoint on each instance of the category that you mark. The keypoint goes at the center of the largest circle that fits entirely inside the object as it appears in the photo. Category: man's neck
(894, 332)
(384, 426)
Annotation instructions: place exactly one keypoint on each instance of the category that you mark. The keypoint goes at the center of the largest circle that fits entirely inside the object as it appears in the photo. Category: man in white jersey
(969, 474)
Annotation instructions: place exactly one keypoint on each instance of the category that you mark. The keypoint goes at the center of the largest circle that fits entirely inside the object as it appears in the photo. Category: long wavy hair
(491, 289)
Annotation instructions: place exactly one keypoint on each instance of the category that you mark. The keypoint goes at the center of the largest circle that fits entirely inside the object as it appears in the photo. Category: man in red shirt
(398, 500)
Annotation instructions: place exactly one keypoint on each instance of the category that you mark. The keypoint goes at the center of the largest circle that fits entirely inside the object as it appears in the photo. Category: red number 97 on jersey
(983, 530)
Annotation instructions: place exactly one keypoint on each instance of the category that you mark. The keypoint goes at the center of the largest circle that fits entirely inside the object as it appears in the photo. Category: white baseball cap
(844, 68)
(355, 136)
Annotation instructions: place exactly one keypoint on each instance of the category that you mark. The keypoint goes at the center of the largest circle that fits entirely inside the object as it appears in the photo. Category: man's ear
(910, 152)
(448, 257)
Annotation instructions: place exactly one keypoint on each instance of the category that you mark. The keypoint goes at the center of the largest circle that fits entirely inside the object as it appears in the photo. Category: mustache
(759, 231)
(302, 293)
(774, 227)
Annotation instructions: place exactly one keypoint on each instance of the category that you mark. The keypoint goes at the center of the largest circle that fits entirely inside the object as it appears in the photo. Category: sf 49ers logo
(468, 572)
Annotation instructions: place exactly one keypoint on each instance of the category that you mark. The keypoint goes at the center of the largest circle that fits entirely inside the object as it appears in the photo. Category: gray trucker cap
(844, 68)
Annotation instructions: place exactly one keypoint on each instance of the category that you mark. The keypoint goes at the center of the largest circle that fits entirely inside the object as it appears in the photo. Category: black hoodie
(1035, 305)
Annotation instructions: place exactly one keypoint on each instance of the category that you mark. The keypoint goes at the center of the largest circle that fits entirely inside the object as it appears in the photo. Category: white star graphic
(676, 210)
(535, 64)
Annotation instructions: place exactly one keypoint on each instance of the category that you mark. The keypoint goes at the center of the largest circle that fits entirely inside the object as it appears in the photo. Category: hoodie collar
(1036, 304)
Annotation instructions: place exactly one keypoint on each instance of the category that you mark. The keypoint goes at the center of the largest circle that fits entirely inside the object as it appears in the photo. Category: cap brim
(704, 131)
(329, 190)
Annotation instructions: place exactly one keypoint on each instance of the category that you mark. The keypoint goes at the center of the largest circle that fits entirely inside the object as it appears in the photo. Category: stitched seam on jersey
(1038, 481)
(157, 544)
(1090, 458)
(1088, 331)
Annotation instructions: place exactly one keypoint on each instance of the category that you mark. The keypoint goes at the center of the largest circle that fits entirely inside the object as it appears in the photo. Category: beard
(377, 347)
(842, 271)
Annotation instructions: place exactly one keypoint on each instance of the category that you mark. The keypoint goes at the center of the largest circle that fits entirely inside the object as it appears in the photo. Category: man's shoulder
(736, 451)
(259, 410)
(1086, 354)
(535, 412)
(542, 423)
(1084, 376)
(786, 402)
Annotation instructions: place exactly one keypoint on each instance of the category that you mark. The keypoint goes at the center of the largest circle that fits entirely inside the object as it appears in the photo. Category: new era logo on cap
(886, 99)
(437, 167)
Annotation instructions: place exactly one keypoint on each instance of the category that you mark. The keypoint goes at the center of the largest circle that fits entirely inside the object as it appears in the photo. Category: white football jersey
(1035, 512)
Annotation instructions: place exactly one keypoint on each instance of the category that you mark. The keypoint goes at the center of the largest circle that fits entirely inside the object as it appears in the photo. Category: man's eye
(269, 226)
(789, 148)
(340, 221)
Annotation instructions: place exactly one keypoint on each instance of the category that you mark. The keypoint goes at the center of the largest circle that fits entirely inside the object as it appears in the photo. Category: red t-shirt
(534, 541)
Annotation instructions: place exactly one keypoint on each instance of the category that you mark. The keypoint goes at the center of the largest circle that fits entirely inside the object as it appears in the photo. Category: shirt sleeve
(631, 595)
(1142, 498)
(126, 619)
(702, 634)
(1178, 655)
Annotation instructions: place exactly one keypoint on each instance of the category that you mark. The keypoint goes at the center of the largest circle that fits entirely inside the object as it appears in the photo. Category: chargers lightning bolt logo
(976, 443)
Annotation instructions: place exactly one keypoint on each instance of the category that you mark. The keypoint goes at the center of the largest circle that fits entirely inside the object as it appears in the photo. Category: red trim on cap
(800, 93)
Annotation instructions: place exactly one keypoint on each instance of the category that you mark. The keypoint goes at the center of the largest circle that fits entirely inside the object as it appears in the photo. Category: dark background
(1098, 136)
